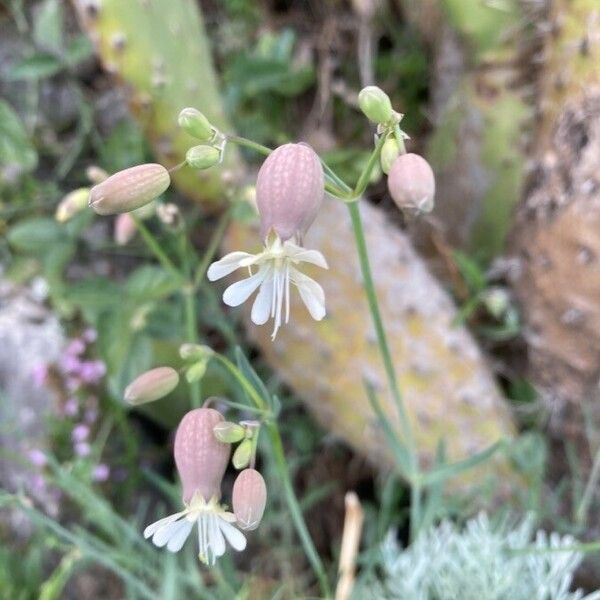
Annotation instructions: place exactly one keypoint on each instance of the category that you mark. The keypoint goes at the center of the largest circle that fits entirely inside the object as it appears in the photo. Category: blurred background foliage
(468, 77)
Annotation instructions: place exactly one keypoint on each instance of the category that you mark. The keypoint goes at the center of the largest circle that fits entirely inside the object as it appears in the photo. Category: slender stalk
(384, 349)
(279, 454)
(365, 176)
(155, 248)
(212, 248)
(246, 143)
(187, 292)
(191, 326)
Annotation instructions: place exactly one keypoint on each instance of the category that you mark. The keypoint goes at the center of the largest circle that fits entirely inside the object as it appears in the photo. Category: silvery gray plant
(479, 562)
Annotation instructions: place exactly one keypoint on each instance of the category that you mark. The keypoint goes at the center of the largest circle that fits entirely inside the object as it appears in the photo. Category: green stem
(187, 292)
(399, 138)
(212, 248)
(155, 248)
(296, 511)
(246, 143)
(191, 326)
(282, 467)
(386, 355)
(365, 176)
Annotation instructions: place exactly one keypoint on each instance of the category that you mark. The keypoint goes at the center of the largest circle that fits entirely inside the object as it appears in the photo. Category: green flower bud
(242, 454)
(71, 204)
(152, 385)
(195, 351)
(203, 157)
(196, 371)
(129, 189)
(497, 301)
(230, 433)
(196, 124)
(375, 104)
(389, 153)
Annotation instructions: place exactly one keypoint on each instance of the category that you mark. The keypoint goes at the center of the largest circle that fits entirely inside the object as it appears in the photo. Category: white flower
(277, 267)
(215, 525)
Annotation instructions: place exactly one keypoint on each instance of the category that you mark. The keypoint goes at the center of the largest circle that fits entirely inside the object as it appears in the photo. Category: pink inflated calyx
(200, 458)
(249, 499)
(289, 191)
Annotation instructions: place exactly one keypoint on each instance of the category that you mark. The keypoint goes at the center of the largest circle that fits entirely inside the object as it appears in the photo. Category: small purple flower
(39, 374)
(70, 364)
(101, 472)
(75, 347)
(92, 371)
(37, 457)
(82, 449)
(91, 414)
(90, 335)
(71, 407)
(72, 384)
(38, 484)
(80, 433)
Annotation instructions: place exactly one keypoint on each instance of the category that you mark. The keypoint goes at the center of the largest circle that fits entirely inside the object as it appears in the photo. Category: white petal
(234, 536)
(166, 532)
(300, 254)
(228, 264)
(312, 294)
(178, 538)
(203, 541)
(240, 291)
(217, 541)
(261, 308)
(154, 527)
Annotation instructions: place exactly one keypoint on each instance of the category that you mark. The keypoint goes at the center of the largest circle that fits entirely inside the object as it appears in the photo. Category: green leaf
(472, 273)
(94, 295)
(15, 147)
(151, 283)
(123, 148)
(37, 66)
(396, 446)
(35, 235)
(250, 374)
(444, 472)
(48, 26)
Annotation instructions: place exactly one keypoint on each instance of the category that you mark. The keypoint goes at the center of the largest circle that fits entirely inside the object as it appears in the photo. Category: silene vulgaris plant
(291, 186)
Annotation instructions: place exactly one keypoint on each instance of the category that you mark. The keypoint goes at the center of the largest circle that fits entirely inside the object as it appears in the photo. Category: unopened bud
(200, 458)
(375, 104)
(152, 385)
(124, 229)
(195, 351)
(196, 371)
(249, 499)
(96, 174)
(71, 204)
(290, 188)
(242, 454)
(229, 433)
(129, 189)
(497, 301)
(196, 124)
(202, 157)
(389, 153)
(412, 184)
